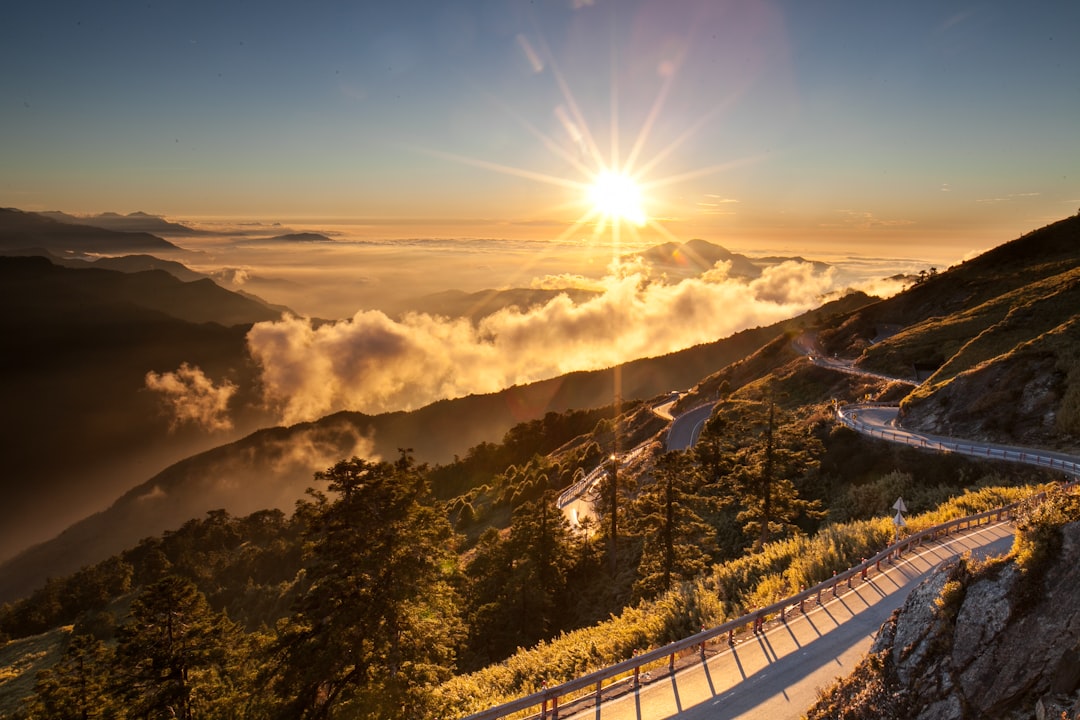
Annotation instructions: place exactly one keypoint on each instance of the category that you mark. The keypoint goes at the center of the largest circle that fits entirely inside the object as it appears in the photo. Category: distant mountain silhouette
(123, 263)
(78, 343)
(20, 229)
(697, 256)
(53, 289)
(132, 222)
(300, 237)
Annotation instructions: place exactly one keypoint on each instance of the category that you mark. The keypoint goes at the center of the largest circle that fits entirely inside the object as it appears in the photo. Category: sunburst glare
(613, 195)
(616, 197)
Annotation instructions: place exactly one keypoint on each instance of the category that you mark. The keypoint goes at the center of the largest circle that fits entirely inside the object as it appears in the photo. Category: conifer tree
(540, 543)
(378, 624)
(172, 654)
(677, 542)
(75, 688)
(756, 458)
(517, 588)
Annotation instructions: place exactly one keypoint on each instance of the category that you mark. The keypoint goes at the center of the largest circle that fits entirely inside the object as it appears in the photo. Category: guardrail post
(671, 664)
(731, 637)
(555, 708)
(866, 568)
(637, 674)
(599, 693)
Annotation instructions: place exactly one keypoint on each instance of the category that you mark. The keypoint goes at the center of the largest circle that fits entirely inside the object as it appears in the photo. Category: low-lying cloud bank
(373, 364)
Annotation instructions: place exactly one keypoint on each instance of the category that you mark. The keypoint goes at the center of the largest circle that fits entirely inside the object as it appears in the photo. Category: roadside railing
(593, 684)
(849, 416)
(574, 491)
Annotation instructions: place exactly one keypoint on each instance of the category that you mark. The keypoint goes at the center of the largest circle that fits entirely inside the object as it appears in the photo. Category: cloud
(864, 220)
(882, 287)
(373, 364)
(273, 472)
(567, 281)
(715, 205)
(192, 398)
(1008, 198)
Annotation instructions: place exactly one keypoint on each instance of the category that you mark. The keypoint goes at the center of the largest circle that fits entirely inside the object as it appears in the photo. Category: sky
(936, 126)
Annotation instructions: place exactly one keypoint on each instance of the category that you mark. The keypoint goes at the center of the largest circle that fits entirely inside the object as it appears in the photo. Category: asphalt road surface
(776, 674)
(686, 428)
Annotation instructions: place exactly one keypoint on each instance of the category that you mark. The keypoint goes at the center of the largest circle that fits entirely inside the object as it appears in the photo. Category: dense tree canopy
(378, 624)
(678, 543)
(759, 460)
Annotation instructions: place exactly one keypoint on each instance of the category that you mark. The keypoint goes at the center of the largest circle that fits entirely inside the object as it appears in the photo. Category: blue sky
(860, 124)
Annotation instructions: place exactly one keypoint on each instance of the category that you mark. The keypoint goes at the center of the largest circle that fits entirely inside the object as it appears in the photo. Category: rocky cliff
(999, 639)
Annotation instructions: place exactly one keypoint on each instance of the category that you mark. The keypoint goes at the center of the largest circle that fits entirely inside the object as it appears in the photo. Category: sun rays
(621, 195)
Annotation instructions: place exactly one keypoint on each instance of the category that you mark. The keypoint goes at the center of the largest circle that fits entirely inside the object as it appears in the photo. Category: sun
(616, 197)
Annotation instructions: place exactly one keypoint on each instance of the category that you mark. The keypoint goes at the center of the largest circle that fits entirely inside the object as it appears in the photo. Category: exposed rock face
(997, 656)
(986, 644)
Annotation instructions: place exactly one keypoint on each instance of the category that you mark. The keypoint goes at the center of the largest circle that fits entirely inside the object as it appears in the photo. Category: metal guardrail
(848, 415)
(548, 698)
(574, 491)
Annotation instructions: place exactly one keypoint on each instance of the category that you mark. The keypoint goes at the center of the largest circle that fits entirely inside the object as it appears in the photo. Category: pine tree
(756, 458)
(678, 543)
(540, 543)
(378, 624)
(518, 585)
(172, 654)
(75, 688)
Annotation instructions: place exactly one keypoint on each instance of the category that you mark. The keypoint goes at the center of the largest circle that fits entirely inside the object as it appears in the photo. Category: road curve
(776, 674)
(685, 428)
(880, 421)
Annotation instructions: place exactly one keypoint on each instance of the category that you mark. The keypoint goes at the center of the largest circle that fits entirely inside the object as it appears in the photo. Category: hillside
(994, 338)
(132, 222)
(19, 230)
(697, 256)
(1036, 256)
(273, 467)
(522, 578)
(79, 426)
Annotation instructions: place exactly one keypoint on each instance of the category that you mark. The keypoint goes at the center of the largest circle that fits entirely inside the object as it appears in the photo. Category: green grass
(962, 340)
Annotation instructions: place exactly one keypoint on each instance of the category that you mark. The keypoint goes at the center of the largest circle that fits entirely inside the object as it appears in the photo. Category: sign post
(898, 520)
